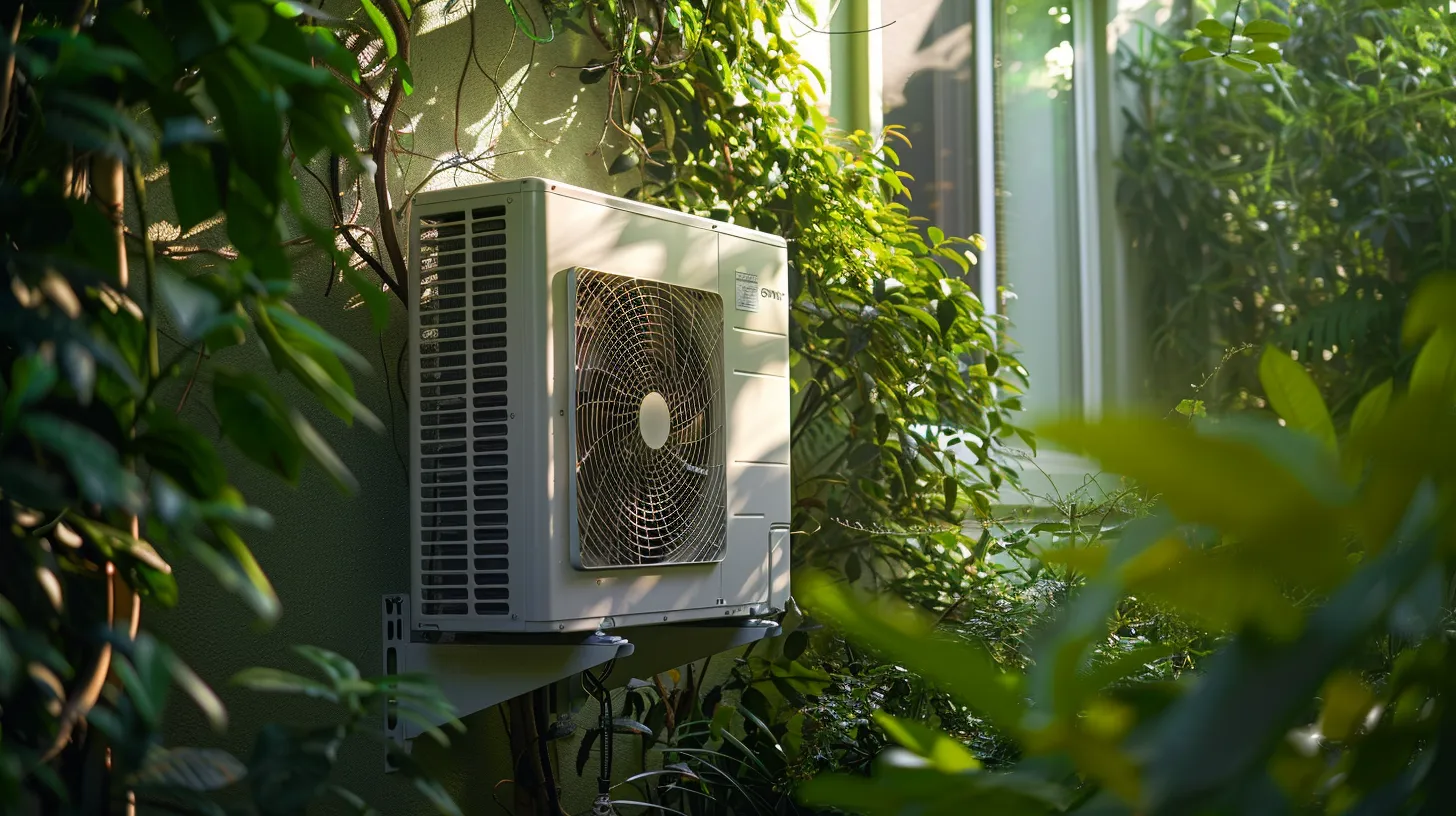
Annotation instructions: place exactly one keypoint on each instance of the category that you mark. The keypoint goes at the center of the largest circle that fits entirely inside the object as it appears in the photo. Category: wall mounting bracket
(475, 673)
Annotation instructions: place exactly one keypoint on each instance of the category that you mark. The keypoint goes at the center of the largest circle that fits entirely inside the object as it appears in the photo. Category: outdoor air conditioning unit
(600, 413)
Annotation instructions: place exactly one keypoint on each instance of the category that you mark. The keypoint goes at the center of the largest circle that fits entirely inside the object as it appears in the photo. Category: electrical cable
(597, 688)
(548, 773)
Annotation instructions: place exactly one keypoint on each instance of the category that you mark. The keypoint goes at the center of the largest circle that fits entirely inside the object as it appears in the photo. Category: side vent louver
(464, 491)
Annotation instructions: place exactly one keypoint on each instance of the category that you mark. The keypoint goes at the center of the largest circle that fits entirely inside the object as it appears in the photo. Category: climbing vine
(895, 359)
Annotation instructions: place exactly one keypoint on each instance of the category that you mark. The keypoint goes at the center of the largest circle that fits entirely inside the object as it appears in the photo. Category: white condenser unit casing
(600, 413)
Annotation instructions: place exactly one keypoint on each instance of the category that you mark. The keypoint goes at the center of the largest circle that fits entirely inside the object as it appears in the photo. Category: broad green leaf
(1434, 372)
(1244, 64)
(960, 669)
(1213, 29)
(1265, 54)
(257, 421)
(316, 366)
(1433, 306)
(939, 749)
(336, 666)
(722, 719)
(265, 679)
(289, 768)
(375, 299)
(381, 25)
(1207, 478)
(91, 460)
(297, 328)
(1371, 407)
(626, 161)
(1266, 31)
(192, 308)
(31, 378)
(181, 452)
(1294, 396)
(1346, 702)
(194, 769)
(1196, 53)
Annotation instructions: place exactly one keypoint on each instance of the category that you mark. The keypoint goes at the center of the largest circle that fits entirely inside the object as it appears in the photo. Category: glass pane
(1037, 195)
(928, 91)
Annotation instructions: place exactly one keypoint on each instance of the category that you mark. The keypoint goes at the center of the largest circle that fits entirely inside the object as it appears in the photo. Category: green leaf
(1220, 475)
(301, 330)
(193, 180)
(178, 450)
(1266, 31)
(624, 162)
(960, 669)
(31, 378)
(1434, 372)
(1265, 55)
(381, 25)
(936, 235)
(193, 309)
(194, 769)
(92, 461)
(241, 579)
(1244, 64)
(288, 769)
(338, 668)
(1432, 306)
(1196, 53)
(257, 421)
(277, 681)
(317, 366)
(943, 753)
(1371, 408)
(1294, 396)
(722, 719)
(375, 299)
(946, 315)
(1213, 29)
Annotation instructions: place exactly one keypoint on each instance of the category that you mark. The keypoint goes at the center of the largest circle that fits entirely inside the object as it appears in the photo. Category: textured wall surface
(331, 556)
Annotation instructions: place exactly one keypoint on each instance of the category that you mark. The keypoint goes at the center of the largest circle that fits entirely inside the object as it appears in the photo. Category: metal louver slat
(462, 422)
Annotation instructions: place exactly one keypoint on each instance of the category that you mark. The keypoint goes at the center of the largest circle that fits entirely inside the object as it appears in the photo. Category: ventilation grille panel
(650, 483)
(462, 418)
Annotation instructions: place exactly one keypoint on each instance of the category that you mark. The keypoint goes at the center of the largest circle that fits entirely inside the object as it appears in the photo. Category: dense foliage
(107, 333)
(1322, 564)
(893, 358)
(1299, 205)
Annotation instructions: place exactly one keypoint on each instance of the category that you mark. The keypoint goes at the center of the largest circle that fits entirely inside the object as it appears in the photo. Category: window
(1008, 105)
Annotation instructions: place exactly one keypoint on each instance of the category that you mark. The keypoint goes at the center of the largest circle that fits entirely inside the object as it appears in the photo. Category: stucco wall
(331, 556)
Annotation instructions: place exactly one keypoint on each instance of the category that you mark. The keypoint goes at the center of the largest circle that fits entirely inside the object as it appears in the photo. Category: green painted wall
(332, 556)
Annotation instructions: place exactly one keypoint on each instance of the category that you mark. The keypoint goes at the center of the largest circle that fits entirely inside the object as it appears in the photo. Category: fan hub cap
(654, 420)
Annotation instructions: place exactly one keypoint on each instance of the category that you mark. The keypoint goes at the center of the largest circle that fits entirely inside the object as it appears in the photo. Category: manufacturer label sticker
(747, 300)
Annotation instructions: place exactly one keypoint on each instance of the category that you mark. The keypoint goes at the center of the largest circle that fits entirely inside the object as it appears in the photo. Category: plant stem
(7, 67)
(149, 269)
(1237, 8)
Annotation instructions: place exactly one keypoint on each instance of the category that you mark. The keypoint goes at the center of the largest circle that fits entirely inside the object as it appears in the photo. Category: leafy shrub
(1323, 568)
(107, 332)
(1298, 206)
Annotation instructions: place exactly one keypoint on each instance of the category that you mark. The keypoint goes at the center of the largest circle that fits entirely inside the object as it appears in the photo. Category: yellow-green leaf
(943, 753)
(1294, 396)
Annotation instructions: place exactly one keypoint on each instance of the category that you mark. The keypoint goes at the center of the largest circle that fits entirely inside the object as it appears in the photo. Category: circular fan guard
(639, 504)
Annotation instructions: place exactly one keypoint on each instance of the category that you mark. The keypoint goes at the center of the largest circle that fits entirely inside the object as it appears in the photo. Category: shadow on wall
(331, 556)
(522, 110)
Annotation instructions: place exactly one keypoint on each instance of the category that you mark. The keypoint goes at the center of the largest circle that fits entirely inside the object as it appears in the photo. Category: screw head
(664, 617)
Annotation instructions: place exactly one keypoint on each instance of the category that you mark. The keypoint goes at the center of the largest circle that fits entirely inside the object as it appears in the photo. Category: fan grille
(650, 485)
